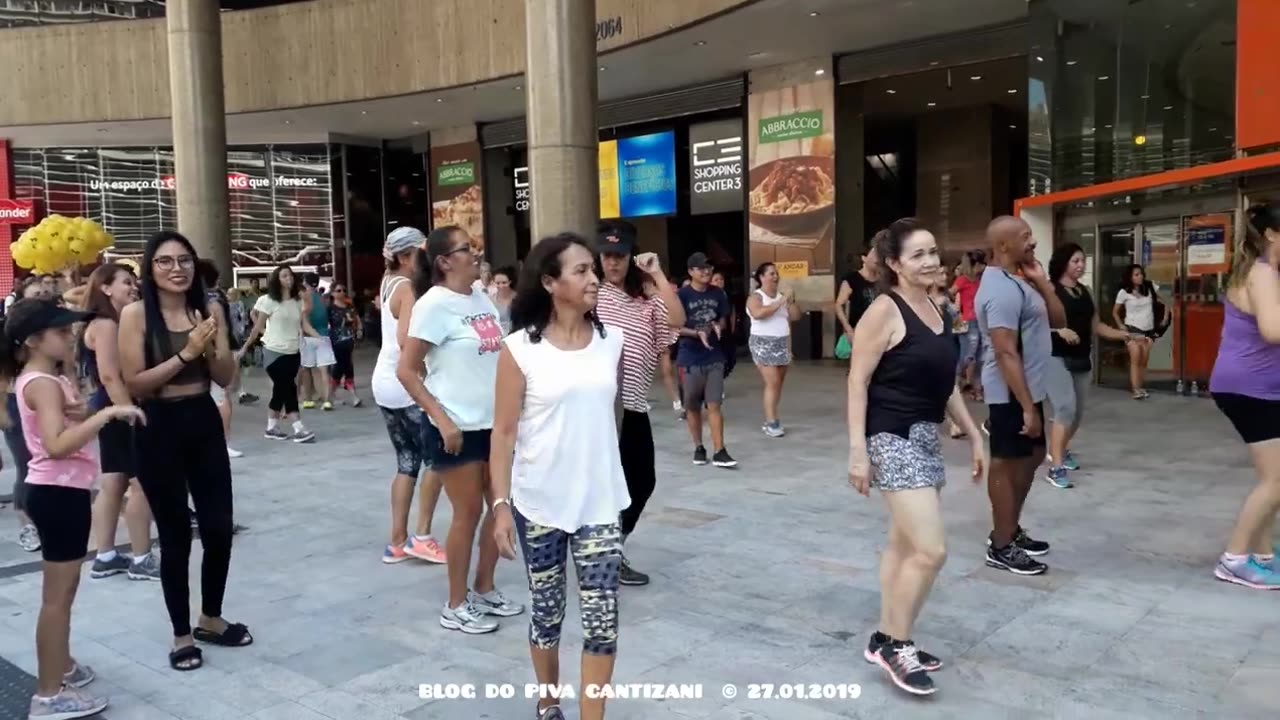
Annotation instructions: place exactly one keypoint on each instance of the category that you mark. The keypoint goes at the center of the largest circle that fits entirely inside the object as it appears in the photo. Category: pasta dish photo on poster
(456, 197)
(791, 196)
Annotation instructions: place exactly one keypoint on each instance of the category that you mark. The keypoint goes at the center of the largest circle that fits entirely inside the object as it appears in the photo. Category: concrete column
(199, 127)
(563, 156)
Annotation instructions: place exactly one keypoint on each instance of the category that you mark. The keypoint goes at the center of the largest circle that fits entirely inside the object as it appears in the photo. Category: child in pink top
(36, 341)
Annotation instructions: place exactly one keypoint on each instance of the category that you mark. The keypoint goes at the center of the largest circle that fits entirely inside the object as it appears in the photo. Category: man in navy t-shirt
(701, 360)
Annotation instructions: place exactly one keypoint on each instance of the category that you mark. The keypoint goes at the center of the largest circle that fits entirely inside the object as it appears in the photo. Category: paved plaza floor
(761, 575)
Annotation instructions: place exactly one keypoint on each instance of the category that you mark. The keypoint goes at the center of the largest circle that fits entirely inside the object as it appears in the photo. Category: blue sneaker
(1059, 477)
(1250, 574)
(1069, 462)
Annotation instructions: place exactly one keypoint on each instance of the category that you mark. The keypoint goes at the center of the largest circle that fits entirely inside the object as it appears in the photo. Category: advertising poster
(1208, 244)
(455, 190)
(647, 174)
(610, 206)
(792, 192)
(715, 167)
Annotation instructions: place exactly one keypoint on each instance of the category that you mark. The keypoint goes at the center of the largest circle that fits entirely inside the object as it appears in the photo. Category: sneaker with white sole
(68, 704)
(78, 676)
(303, 436)
(275, 433)
(494, 603)
(146, 568)
(901, 661)
(233, 453)
(467, 618)
(29, 538)
(722, 459)
(106, 568)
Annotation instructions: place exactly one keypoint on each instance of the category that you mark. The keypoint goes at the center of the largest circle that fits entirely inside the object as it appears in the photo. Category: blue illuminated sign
(647, 174)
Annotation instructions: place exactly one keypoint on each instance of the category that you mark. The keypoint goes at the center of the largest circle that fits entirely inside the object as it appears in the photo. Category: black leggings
(635, 446)
(182, 449)
(283, 372)
(343, 367)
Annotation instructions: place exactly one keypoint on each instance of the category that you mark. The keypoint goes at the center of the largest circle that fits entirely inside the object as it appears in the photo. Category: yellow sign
(793, 270)
(609, 202)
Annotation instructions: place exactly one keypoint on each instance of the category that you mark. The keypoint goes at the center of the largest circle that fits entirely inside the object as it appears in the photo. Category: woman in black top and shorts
(172, 346)
(902, 383)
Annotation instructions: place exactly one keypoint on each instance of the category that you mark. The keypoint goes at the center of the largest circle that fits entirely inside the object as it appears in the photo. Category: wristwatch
(501, 501)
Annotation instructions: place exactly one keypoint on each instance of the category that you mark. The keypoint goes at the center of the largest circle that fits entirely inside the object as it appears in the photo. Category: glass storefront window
(25, 13)
(1125, 89)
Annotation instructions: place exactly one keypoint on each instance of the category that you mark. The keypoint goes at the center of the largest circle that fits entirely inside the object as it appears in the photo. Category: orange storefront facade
(1166, 126)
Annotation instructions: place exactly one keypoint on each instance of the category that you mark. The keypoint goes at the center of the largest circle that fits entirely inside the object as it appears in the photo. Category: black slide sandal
(188, 654)
(236, 635)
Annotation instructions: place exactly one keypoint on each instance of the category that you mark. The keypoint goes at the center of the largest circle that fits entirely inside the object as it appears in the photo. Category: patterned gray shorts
(770, 351)
(907, 463)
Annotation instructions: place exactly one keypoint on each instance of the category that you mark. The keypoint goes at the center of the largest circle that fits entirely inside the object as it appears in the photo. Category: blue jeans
(970, 346)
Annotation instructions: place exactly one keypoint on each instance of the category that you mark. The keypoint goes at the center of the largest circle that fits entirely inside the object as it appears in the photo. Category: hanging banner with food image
(455, 190)
(792, 193)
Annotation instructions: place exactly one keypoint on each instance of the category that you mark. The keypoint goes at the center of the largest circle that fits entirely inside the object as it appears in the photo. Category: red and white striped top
(644, 324)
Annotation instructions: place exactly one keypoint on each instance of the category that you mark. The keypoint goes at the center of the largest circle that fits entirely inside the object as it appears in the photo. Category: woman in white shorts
(772, 312)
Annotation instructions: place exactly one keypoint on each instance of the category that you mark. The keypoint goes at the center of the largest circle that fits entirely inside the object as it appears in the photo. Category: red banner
(17, 212)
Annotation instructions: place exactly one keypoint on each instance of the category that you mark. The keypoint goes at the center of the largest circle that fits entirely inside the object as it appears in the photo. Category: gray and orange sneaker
(393, 554)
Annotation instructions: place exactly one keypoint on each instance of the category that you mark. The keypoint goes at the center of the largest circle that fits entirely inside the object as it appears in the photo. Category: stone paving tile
(767, 574)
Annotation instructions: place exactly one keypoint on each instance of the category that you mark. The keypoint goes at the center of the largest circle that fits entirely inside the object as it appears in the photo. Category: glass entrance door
(1161, 243)
(1117, 249)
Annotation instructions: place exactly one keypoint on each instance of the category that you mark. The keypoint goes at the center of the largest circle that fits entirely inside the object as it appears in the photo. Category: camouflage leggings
(597, 558)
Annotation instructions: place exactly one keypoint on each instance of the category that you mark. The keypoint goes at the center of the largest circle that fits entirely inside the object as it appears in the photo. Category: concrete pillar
(199, 128)
(561, 106)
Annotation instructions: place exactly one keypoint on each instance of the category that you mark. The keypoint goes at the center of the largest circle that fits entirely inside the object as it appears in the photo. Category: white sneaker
(68, 704)
(494, 603)
(467, 618)
(233, 453)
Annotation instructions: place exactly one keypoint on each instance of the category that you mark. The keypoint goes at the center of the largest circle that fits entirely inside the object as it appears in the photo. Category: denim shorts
(475, 448)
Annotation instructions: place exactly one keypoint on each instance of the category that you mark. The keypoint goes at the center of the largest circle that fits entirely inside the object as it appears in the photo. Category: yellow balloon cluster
(59, 242)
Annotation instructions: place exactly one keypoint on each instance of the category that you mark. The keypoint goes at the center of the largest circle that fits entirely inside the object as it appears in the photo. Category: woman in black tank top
(902, 384)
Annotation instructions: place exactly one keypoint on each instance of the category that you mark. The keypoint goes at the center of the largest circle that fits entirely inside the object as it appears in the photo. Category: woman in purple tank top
(1246, 386)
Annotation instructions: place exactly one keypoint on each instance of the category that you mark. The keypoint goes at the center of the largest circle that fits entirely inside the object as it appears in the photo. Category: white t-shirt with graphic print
(462, 365)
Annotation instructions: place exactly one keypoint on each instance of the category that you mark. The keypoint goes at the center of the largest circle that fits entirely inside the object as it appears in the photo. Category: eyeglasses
(167, 262)
(455, 251)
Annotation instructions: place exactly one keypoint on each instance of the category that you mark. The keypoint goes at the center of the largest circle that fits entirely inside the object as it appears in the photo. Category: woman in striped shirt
(636, 296)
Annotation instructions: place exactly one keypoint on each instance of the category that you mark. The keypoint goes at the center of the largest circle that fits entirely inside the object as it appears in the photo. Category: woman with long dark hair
(454, 329)
(1070, 368)
(278, 319)
(111, 288)
(636, 296)
(902, 383)
(558, 482)
(1246, 387)
(172, 347)
(503, 291)
(772, 311)
(1135, 312)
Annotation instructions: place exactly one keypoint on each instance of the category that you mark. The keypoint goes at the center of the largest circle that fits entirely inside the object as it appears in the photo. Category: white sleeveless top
(387, 390)
(567, 471)
(777, 324)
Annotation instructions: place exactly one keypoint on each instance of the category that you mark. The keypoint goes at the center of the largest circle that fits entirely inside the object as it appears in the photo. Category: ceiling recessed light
(1168, 107)
(1107, 127)
(819, 71)
(519, 87)
(933, 104)
(892, 92)
(700, 43)
(1140, 140)
(602, 68)
(814, 13)
(1072, 62)
(933, 63)
(1013, 127)
(288, 122)
(364, 112)
(1013, 91)
(975, 77)
(417, 123)
(756, 55)
(1146, 97)
(1039, 58)
(1213, 129)
(439, 100)
(1104, 77)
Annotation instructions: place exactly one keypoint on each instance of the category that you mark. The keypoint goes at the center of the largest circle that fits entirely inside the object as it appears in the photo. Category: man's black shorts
(1007, 440)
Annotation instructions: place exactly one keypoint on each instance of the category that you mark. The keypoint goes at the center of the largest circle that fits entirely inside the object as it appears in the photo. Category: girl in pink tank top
(36, 342)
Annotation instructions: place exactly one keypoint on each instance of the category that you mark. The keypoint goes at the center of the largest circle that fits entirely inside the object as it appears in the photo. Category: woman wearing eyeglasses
(344, 328)
(454, 328)
(172, 347)
(278, 319)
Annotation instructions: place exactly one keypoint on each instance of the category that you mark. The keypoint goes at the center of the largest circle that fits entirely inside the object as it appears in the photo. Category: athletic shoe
(357, 402)
(425, 549)
(148, 568)
(233, 453)
(902, 661)
(68, 704)
(29, 538)
(309, 405)
(1015, 560)
(303, 436)
(878, 639)
(1058, 477)
(773, 429)
(106, 568)
(1249, 573)
(393, 554)
(248, 398)
(986, 428)
(552, 713)
(699, 455)
(467, 618)
(1034, 548)
(494, 603)
(723, 459)
(1069, 462)
(275, 433)
(328, 406)
(630, 576)
(79, 676)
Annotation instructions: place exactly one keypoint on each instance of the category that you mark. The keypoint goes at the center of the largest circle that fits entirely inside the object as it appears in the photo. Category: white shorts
(317, 352)
(217, 392)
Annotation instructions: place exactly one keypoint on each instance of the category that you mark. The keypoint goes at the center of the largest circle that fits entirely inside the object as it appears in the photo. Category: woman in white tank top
(404, 418)
(772, 312)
